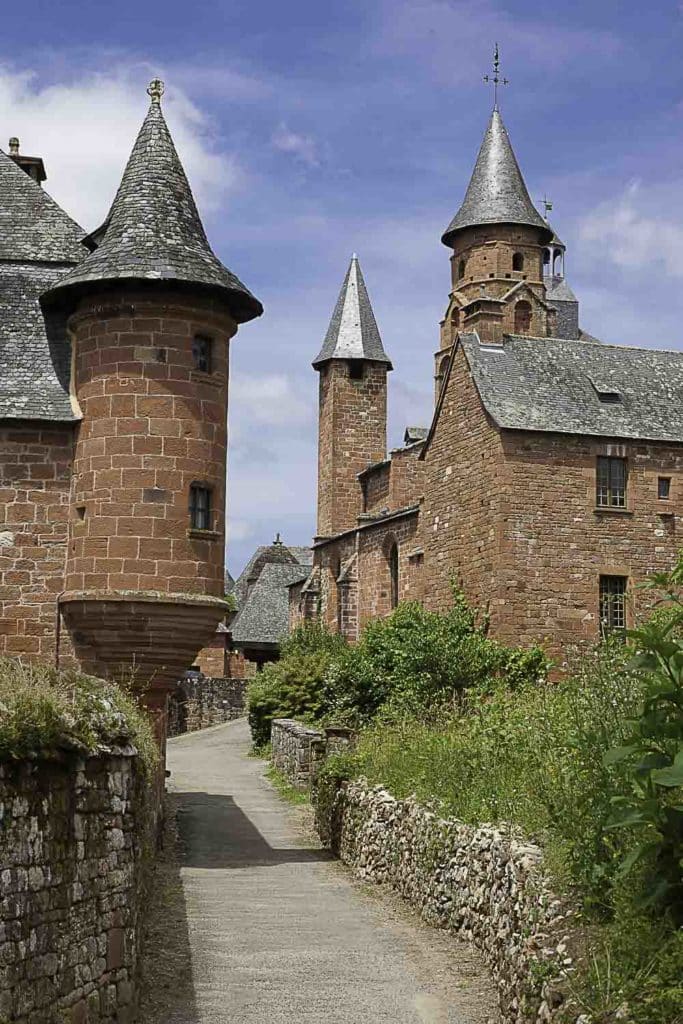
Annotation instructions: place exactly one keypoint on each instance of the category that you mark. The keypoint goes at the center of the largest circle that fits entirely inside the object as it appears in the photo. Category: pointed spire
(353, 332)
(496, 193)
(153, 232)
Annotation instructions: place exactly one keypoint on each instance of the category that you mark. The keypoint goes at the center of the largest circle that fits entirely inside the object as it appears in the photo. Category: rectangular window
(611, 482)
(200, 507)
(663, 487)
(201, 353)
(612, 604)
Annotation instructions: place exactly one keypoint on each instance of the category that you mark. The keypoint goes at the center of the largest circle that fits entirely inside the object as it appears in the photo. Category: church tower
(151, 311)
(352, 432)
(498, 241)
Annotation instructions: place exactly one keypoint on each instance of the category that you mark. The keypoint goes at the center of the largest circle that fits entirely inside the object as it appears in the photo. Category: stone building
(550, 481)
(113, 402)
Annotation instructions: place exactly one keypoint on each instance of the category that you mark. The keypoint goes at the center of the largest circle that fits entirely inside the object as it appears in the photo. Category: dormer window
(518, 261)
(202, 347)
(606, 391)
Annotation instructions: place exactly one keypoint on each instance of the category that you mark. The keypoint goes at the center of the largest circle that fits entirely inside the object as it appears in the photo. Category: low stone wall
(484, 884)
(296, 751)
(73, 842)
(201, 701)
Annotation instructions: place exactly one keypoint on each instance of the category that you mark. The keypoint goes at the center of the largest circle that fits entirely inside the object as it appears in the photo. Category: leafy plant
(654, 752)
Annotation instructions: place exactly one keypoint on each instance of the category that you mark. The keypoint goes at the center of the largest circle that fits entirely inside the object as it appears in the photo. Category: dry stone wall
(484, 884)
(198, 702)
(297, 751)
(73, 842)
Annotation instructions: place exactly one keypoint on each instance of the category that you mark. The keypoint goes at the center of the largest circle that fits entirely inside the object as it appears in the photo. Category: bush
(293, 686)
(415, 659)
(45, 713)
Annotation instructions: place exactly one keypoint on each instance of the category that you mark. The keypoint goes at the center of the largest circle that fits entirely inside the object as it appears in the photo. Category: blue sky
(310, 130)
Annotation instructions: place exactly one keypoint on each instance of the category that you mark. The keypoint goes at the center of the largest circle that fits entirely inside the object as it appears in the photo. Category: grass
(46, 714)
(284, 787)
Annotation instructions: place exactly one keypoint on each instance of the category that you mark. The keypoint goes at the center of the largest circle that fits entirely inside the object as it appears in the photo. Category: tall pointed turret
(151, 312)
(153, 232)
(496, 193)
(353, 332)
(352, 430)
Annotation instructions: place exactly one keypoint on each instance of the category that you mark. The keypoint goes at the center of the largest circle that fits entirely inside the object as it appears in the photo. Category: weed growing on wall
(46, 713)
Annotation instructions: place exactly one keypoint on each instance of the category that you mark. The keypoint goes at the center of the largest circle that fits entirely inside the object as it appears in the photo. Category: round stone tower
(151, 311)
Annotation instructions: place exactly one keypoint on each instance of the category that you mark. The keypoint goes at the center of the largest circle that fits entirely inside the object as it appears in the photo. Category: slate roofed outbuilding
(153, 232)
(353, 332)
(496, 193)
(263, 619)
(579, 387)
(39, 243)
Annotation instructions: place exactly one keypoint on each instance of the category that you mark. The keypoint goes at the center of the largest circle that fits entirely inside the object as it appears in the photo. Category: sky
(312, 130)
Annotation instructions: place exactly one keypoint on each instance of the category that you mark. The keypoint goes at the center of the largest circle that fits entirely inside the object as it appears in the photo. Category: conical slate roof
(153, 232)
(33, 228)
(496, 193)
(353, 332)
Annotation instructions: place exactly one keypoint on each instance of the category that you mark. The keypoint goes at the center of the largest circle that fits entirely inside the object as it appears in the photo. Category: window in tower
(518, 261)
(200, 507)
(462, 267)
(201, 353)
(522, 317)
(356, 369)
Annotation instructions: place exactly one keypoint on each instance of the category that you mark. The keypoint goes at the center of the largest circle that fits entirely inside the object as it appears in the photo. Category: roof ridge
(591, 344)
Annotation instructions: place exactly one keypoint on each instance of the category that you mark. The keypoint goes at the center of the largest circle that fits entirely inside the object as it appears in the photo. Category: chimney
(33, 165)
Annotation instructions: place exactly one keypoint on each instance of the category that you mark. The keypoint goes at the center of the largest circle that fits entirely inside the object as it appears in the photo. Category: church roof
(353, 332)
(558, 290)
(153, 232)
(39, 242)
(496, 193)
(578, 387)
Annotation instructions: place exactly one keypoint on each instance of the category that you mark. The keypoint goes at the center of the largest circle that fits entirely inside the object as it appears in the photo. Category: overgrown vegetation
(45, 713)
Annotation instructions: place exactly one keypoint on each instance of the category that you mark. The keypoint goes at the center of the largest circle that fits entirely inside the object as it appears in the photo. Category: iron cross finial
(547, 205)
(496, 77)
(155, 90)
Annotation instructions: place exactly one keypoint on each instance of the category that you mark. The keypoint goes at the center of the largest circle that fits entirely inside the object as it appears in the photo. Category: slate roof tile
(353, 332)
(264, 617)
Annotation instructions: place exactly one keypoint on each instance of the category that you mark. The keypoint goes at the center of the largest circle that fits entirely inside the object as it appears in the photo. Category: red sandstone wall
(35, 474)
(152, 425)
(352, 435)
(407, 477)
(556, 544)
(460, 516)
(377, 488)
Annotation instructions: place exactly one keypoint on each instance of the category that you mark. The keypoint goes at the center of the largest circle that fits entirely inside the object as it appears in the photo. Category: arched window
(522, 317)
(462, 267)
(546, 257)
(455, 316)
(393, 573)
(518, 261)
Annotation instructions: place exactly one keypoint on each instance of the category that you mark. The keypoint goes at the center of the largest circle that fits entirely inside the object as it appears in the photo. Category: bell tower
(352, 430)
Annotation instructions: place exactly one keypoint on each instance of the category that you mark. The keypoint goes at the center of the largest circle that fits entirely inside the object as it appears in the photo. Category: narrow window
(523, 317)
(611, 482)
(663, 487)
(518, 261)
(462, 266)
(612, 604)
(356, 369)
(200, 507)
(393, 571)
(201, 353)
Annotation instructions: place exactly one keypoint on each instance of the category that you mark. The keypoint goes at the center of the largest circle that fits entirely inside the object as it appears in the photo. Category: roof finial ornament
(155, 90)
(278, 540)
(14, 146)
(547, 206)
(496, 77)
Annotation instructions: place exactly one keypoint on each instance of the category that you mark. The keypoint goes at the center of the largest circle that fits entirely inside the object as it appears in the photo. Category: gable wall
(35, 477)
(461, 510)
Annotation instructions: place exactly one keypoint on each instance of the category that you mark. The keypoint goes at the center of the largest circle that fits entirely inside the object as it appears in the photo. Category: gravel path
(252, 923)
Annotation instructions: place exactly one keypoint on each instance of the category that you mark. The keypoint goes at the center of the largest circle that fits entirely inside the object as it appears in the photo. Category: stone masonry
(73, 835)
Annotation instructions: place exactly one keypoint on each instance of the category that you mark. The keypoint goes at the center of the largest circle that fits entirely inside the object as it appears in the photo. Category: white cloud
(239, 530)
(85, 127)
(638, 229)
(303, 147)
(271, 400)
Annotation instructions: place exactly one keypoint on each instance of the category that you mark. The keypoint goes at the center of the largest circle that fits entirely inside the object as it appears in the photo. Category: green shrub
(45, 713)
(415, 659)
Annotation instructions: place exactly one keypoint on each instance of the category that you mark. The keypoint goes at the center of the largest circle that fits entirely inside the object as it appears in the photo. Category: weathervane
(496, 77)
(547, 205)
